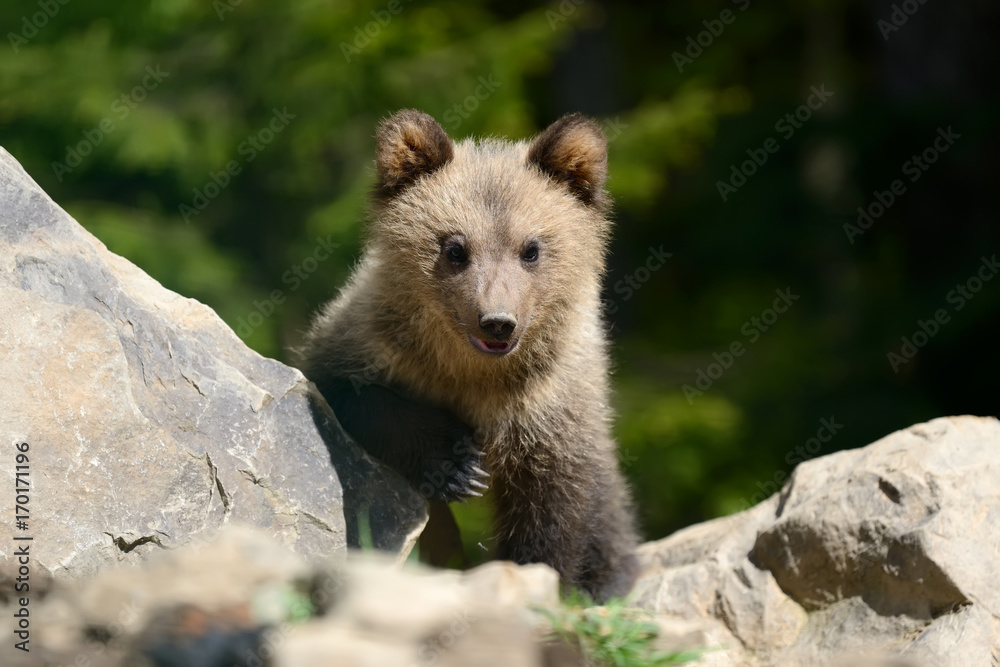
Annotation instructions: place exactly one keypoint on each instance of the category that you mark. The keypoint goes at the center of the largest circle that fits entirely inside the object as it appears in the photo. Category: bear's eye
(455, 252)
(530, 253)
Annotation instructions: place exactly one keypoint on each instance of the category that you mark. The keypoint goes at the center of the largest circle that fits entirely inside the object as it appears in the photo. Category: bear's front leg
(570, 513)
(427, 445)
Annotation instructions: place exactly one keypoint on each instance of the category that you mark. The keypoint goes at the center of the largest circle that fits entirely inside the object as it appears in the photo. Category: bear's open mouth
(498, 347)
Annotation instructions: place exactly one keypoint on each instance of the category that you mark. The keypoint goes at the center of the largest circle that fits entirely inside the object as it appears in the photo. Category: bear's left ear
(408, 145)
(573, 151)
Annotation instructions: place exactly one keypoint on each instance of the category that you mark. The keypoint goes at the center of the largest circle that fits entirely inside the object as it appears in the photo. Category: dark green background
(675, 132)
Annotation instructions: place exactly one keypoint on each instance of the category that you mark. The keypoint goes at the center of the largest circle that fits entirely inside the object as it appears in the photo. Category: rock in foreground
(241, 600)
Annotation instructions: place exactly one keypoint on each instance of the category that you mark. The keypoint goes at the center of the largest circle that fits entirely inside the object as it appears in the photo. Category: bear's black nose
(498, 326)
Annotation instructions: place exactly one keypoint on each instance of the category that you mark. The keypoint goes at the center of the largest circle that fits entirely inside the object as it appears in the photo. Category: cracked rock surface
(885, 555)
(150, 423)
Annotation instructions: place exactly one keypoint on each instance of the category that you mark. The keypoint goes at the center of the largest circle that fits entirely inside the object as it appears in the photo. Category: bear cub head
(500, 244)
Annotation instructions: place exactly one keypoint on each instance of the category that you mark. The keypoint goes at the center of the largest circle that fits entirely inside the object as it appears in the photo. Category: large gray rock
(149, 423)
(889, 550)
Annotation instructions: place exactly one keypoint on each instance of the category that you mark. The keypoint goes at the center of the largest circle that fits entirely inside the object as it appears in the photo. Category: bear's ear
(408, 145)
(573, 151)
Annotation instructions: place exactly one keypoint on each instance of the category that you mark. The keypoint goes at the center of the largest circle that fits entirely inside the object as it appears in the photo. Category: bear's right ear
(408, 145)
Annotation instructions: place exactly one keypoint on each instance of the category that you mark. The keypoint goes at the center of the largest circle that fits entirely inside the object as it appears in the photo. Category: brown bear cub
(470, 339)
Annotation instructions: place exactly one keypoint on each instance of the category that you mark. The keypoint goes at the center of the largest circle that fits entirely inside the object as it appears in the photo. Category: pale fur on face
(490, 195)
(405, 315)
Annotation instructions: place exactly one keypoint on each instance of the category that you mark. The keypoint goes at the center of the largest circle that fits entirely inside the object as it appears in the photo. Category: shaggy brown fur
(475, 312)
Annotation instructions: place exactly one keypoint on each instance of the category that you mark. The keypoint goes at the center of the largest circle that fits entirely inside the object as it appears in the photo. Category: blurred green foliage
(153, 123)
(614, 634)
